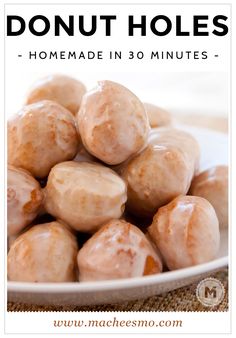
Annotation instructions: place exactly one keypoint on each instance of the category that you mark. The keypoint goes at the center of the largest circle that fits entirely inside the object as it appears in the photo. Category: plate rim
(118, 284)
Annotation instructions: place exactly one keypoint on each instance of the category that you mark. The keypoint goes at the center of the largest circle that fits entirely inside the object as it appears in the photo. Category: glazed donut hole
(183, 141)
(45, 253)
(186, 231)
(112, 122)
(24, 199)
(42, 219)
(64, 90)
(94, 195)
(118, 250)
(212, 184)
(41, 135)
(161, 172)
(158, 117)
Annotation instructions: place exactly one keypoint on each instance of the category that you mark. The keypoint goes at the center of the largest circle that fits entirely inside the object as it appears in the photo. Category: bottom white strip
(117, 322)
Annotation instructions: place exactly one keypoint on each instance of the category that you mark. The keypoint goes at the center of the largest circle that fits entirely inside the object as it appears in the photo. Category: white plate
(214, 147)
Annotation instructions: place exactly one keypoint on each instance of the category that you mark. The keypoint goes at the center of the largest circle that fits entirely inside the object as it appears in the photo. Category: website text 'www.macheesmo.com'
(114, 322)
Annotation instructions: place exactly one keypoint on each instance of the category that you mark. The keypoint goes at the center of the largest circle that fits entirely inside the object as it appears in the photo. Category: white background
(18, 75)
(198, 93)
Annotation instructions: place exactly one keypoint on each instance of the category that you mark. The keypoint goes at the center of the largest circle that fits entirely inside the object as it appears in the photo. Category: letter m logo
(210, 292)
